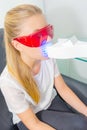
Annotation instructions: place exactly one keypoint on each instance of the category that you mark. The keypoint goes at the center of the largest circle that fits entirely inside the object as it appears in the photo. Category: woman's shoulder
(49, 62)
(4, 75)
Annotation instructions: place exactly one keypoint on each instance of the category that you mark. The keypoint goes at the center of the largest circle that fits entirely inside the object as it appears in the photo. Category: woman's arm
(32, 122)
(69, 96)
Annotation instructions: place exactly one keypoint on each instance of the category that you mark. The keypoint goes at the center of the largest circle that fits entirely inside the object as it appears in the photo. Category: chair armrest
(75, 84)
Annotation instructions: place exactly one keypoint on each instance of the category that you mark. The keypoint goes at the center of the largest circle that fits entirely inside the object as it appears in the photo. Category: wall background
(5, 5)
(69, 18)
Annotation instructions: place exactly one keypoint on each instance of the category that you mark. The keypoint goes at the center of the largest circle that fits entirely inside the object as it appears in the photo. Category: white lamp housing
(66, 49)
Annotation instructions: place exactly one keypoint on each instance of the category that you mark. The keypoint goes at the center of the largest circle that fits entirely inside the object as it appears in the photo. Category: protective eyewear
(38, 38)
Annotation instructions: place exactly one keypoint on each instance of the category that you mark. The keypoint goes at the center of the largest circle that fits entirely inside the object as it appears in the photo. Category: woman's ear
(16, 45)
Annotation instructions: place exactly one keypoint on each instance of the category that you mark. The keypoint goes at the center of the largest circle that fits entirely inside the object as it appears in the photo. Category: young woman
(29, 77)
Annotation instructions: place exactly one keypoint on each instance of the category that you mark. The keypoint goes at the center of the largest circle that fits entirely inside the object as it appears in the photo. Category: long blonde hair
(13, 19)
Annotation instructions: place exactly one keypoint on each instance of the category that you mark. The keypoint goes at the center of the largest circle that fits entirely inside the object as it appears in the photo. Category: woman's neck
(36, 68)
(33, 64)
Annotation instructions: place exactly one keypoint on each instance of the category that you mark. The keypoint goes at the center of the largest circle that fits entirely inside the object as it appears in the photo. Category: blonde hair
(13, 19)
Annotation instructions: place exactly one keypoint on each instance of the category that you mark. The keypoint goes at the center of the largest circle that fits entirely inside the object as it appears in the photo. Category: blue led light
(44, 48)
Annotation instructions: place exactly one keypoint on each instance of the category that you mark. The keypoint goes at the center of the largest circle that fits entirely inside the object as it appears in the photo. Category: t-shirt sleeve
(56, 70)
(15, 99)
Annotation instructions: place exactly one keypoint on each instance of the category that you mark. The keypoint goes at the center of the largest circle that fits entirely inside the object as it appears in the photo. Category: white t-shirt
(16, 97)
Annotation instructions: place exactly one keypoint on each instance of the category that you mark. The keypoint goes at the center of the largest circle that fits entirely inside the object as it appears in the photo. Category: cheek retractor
(65, 49)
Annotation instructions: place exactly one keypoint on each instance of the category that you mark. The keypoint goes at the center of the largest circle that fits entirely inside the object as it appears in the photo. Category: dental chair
(5, 116)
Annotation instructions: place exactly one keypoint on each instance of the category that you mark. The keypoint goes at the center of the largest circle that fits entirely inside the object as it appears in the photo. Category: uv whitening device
(66, 49)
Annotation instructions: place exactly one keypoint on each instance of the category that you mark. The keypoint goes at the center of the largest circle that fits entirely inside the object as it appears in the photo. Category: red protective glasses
(38, 38)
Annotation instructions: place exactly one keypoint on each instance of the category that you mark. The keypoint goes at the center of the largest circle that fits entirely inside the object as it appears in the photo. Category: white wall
(69, 18)
(5, 5)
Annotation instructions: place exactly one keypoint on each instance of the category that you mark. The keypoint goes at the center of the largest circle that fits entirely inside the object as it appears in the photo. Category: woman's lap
(63, 120)
(61, 116)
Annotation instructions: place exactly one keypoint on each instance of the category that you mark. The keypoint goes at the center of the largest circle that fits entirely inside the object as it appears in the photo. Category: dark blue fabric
(2, 51)
(76, 85)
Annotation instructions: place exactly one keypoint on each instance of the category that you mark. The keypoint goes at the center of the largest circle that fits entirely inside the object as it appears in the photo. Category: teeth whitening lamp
(63, 49)
(66, 49)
